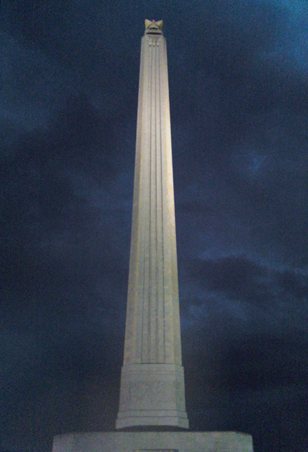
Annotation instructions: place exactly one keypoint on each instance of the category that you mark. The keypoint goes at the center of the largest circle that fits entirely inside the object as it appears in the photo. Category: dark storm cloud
(53, 237)
(249, 297)
(239, 278)
(251, 322)
(245, 342)
(247, 125)
(239, 95)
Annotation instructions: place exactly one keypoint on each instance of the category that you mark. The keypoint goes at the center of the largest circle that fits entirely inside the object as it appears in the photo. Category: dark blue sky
(238, 76)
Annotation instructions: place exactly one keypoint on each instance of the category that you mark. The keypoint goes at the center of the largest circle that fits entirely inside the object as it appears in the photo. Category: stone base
(153, 442)
(152, 395)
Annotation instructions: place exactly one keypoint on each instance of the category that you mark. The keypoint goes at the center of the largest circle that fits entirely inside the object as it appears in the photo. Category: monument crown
(153, 26)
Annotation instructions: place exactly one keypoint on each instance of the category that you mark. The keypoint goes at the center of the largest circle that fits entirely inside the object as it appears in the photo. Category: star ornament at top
(153, 24)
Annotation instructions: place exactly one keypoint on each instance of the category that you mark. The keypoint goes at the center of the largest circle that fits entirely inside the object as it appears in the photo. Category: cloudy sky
(238, 75)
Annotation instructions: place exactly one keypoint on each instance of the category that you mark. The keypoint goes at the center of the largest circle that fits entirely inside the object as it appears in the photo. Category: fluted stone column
(152, 380)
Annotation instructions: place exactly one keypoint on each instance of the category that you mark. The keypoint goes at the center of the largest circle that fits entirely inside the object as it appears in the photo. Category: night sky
(238, 73)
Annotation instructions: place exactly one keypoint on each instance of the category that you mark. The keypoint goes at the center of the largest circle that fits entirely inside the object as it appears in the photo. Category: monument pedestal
(152, 394)
(153, 442)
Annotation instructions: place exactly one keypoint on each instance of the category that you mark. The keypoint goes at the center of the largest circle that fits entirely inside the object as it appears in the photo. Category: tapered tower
(152, 380)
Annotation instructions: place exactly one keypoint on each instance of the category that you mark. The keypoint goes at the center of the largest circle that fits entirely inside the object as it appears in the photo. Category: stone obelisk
(152, 380)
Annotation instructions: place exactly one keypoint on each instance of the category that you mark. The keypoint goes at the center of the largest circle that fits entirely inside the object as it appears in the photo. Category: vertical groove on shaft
(153, 219)
(148, 332)
(154, 344)
(162, 219)
(158, 292)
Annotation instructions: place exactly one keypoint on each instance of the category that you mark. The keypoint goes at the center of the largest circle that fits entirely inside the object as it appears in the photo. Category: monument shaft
(152, 381)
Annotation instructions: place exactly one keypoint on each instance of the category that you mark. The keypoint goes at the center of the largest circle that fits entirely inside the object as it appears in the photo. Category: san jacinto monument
(152, 395)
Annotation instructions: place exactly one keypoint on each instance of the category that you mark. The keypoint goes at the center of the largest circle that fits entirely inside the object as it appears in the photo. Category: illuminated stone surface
(154, 442)
(152, 380)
